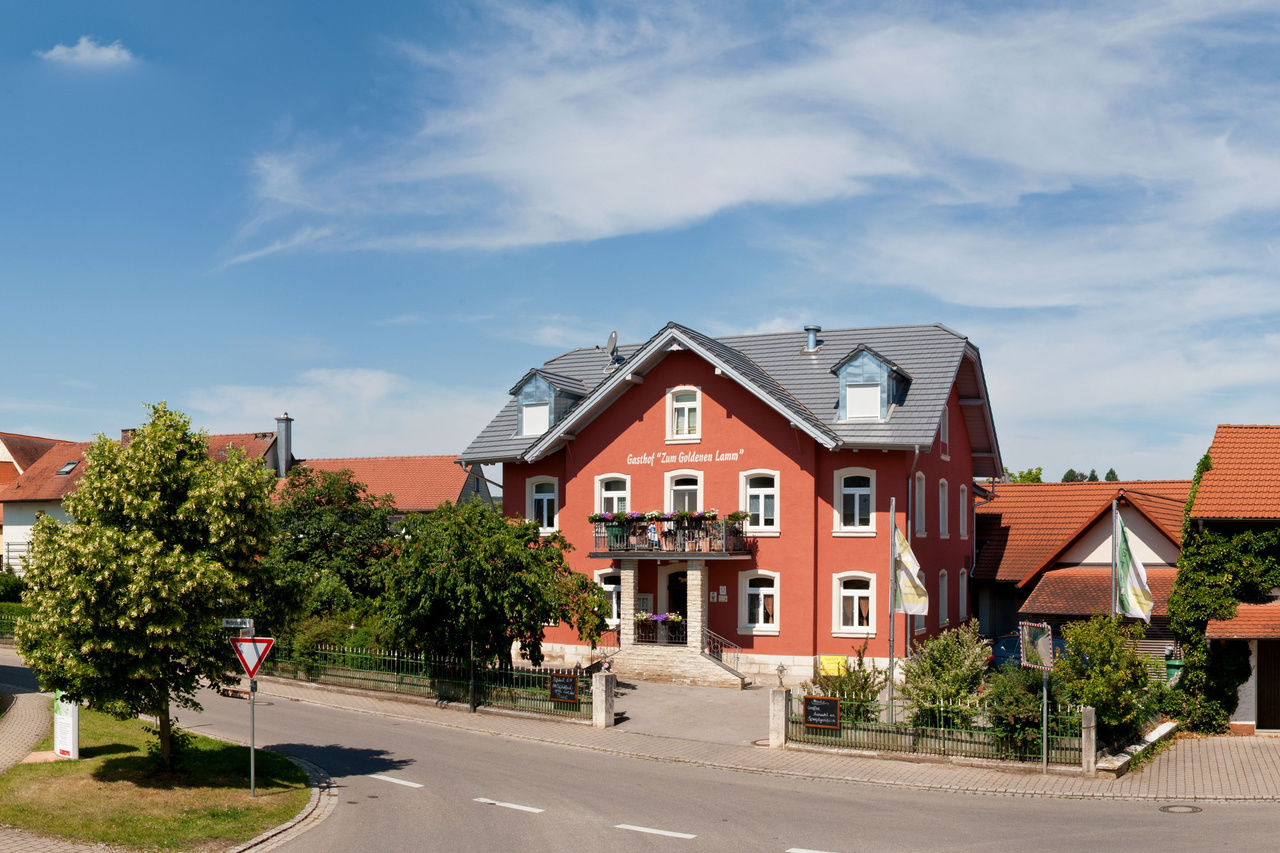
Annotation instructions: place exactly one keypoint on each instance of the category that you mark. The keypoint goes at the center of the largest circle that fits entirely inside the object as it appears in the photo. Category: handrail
(722, 649)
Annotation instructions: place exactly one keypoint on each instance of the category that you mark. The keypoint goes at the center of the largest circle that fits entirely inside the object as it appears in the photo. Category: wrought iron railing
(681, 536)
(724, 650)
(609, 644)
(952, 729)
(662, 632)
(446, 679)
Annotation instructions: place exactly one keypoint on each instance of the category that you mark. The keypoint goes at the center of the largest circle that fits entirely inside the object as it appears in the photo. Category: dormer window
(868, 386)
(534, 401)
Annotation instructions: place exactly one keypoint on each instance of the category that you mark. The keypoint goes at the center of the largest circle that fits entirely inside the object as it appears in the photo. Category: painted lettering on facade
(663, 457)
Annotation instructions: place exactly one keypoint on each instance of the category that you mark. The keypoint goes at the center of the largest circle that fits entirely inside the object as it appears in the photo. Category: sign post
(1035, 640)
(251, 651)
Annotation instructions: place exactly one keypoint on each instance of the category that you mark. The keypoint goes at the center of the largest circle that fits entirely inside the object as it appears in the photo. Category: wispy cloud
(302, 237)
(351, 412)
(88, 52)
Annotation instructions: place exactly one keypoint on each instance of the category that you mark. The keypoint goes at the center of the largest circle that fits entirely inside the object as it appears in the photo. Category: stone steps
(673, 665)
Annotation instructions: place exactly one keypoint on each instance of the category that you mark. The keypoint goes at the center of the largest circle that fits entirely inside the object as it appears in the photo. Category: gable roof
(415, 483)
(1244, 481)
(796, 383)
(1084, 590)
(26, 449)
(41, 481)
(1027, 526)
(556, 380)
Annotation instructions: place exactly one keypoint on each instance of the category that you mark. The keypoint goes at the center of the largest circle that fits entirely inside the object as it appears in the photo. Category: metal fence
(6, 629)
(445, 679)
(950, 730)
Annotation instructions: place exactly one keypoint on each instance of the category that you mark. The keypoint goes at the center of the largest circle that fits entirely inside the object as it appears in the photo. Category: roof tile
(415, 483)
(1083, 591)
(1252, 621)
(1244, 481)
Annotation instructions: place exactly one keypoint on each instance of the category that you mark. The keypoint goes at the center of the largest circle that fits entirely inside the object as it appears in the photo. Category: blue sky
(378, 217)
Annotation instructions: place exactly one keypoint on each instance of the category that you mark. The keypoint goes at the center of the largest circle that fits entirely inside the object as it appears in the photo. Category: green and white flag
(912, 597)
(1131, 578)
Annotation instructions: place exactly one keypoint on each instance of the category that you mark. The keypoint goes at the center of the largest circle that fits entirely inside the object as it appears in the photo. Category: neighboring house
(40, 488)
(815, 435)
(1240, 492)
(415, 483)
(1044, 552)
(18, 453)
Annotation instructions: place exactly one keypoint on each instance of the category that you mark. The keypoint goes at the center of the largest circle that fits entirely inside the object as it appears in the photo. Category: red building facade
(799, 443)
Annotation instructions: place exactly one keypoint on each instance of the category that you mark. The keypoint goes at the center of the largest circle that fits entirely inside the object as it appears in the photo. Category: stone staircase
(674, 665)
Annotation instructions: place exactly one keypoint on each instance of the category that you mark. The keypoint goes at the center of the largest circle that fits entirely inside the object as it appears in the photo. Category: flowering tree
(127, 596)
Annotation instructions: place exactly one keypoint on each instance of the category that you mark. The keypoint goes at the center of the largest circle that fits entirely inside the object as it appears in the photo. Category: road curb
(319, 806)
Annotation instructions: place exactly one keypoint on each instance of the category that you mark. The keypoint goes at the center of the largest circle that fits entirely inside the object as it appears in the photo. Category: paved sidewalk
(1212, 768)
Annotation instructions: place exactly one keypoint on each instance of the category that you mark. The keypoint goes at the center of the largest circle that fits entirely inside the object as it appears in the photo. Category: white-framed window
(758, 493)
(853, 604)
(684, 414)
(943, 604)
(758, 602)
(962, 606)
(533, 402)
(921, 503)
(613, 492)
(962, 514)
(944, 434)
(917, 621)
(944, 515)
(855, 501)
(610, 581)
(683, 491)
(542, 500)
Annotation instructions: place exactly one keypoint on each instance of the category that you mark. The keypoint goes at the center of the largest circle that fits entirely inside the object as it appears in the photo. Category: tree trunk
(164, 727)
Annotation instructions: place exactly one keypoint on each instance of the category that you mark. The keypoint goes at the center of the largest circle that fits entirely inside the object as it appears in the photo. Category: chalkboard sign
(564, 688)
(821, 712)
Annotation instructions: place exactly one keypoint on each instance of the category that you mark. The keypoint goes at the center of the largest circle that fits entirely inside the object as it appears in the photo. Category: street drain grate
(1181, 809)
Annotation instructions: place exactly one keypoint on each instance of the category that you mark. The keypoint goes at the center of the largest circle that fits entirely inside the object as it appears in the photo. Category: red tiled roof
(1027, 525)
(416, 483)
(41, 482)
(1244, 481)
(1083, 591)
(1252, 621)
(26, 449)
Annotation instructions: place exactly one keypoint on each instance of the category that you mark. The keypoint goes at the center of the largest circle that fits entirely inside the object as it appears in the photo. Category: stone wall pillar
(1088, 741)
(696, 604)
(627, 616)
(602, 690)
(779, 708)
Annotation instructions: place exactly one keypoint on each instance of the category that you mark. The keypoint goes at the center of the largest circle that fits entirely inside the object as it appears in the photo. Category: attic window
(68, 468)
(534, 399)
(866, 388)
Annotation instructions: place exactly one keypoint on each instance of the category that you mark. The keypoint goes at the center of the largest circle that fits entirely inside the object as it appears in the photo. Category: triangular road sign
(252, 651)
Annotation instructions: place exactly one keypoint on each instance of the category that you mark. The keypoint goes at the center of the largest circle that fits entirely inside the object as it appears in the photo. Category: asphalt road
(411, 786)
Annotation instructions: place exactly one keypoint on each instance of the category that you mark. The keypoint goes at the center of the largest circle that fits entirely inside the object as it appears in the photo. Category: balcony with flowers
(704, 534)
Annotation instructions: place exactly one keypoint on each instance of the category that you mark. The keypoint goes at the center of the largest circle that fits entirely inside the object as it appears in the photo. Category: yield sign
(252, 651)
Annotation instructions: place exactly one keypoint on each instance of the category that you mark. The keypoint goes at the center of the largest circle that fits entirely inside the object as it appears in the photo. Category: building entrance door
(1268, 684)
(678, 593)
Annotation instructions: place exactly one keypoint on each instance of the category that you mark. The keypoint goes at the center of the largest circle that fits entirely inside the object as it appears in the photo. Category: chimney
(126, 436)
(811, 345)
(284, 444)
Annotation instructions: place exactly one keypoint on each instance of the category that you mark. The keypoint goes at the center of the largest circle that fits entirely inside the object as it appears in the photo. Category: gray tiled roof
(801, 383)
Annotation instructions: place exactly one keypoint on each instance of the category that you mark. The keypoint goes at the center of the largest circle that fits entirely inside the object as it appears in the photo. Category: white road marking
(805, 850)
(516, 806)
(652, 831)
(407, 784)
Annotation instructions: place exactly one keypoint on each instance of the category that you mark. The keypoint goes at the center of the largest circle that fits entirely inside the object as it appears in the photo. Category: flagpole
(893, 588)
(1115, 557)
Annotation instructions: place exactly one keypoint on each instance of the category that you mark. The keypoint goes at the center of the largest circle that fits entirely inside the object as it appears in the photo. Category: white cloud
(352, 412)
(89, 53)
(302, 237)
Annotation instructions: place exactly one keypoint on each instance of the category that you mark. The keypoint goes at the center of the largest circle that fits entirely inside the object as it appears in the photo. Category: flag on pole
(1131, 578)
(912, 597)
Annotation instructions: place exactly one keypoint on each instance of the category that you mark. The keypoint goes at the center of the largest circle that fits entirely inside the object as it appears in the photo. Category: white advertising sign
(66, 727)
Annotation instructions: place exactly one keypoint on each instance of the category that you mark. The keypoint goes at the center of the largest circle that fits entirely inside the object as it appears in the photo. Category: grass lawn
(116, 794)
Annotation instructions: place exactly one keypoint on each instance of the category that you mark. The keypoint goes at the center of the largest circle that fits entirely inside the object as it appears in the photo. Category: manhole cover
(1180, 809)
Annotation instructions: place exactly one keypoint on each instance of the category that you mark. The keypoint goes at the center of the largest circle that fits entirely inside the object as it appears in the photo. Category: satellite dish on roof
(612, 346)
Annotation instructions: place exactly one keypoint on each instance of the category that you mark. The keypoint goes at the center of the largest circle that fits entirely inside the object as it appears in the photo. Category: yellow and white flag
(1131, 578)
(912, 597)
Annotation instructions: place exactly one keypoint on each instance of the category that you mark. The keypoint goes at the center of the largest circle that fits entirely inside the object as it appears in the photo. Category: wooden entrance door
(1268, 684)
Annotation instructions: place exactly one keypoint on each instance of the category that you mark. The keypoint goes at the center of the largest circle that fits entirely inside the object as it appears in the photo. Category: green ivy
(1216, 571)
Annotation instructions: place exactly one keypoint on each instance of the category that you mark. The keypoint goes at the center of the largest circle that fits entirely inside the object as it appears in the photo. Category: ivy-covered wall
(1216, 571)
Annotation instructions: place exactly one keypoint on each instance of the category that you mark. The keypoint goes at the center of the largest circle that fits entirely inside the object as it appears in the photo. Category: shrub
(11, 587)
(1012, 697)
(941, 678)
(1101, 667)
(858, 688)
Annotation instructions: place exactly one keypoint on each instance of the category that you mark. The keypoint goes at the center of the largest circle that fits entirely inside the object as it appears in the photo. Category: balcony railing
(664, 633)
(674, 536)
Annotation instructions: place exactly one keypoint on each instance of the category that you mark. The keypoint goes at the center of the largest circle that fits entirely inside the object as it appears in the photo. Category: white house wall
(1148, 542)
(20, 517)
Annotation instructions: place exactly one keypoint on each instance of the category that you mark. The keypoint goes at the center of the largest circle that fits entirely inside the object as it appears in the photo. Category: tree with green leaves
(328, 553)
(1029, 475)
(1101, 667)
(467, 578)
(1111, 476)
(127, 597)
(940, 680)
